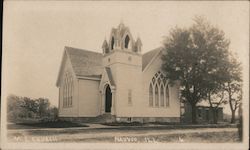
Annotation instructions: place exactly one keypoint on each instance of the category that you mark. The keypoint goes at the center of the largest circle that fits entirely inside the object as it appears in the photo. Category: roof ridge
(148, 56)
(158, 48)
(69, 47)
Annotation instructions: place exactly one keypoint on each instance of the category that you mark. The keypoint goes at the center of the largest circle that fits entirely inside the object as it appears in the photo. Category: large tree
(19, 108)
(43, 106)
(233, 86)
(196, 57)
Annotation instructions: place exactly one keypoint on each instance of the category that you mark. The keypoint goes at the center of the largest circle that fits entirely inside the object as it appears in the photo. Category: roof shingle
(89, 64)
(147, 57)
(84, 62)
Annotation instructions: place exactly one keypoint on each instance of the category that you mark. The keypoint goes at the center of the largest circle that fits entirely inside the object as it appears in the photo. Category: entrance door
(108, 100)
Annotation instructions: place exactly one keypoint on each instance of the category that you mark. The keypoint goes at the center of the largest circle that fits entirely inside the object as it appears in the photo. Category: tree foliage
(233, 86)
(198, 58)
(19, 108)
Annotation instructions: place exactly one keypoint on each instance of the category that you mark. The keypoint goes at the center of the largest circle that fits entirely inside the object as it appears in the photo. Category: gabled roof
(89, 64)
(147, 57)
(84, 62)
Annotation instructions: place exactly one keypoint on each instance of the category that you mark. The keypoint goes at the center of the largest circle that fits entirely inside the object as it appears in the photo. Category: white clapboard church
(120, 84)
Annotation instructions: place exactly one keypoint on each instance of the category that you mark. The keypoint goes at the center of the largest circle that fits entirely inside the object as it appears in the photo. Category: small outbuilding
(204, 113)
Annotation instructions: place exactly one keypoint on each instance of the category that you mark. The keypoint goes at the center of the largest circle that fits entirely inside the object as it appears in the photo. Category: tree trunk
(233, 116)
(193, 114)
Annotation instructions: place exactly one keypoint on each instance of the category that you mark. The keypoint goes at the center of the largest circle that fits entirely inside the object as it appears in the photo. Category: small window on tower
(130, 97)
(129, 58)
(127, 41)
(112, 43)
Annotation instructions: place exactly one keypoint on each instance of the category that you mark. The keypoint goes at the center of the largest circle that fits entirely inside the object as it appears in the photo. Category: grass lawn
(45, 131)
(50, 124)
(211, 137)
(142, 134)
(124, 124)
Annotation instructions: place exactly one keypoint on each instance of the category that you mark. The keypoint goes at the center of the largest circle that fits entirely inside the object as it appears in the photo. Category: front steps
(104, 118)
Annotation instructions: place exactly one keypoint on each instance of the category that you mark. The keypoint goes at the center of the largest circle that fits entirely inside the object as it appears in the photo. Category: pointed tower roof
(105, 44)
(121, 25)
(121, 29)
(138, 41)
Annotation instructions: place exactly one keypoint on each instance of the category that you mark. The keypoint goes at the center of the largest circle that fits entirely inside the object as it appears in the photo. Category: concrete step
(107, 117)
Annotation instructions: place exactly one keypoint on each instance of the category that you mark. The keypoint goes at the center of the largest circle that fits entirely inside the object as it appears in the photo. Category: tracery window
(151, 99)
(167, 96)
(162, 96)
(68, 86)
(158, 91)
(156, 96)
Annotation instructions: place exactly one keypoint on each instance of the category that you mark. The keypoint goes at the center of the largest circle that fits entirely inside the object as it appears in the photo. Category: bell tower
(121, 39)
(122, 54)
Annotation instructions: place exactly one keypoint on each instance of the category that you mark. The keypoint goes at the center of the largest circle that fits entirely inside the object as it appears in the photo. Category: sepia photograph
(125, 75)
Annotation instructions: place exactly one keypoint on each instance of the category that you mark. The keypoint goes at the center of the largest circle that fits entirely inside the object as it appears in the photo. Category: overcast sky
(35, 33)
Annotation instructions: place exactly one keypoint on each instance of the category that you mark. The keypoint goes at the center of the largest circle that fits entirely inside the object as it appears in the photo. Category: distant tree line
(21, 108)
(199, 58)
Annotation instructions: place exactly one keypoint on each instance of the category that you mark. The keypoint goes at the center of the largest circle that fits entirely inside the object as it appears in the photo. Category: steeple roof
(138, 41)
(105, 44)
(120, 30)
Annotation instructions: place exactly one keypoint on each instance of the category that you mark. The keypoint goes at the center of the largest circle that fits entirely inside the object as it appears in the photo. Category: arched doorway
(108, 100)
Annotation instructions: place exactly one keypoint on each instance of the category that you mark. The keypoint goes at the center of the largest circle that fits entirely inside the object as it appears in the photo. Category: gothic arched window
(156, 96)
(67, 87)
(112, 43)
(158, 91)
(64, 91)
(150, 95)
(68, 90)
(162, 96)
(126, 41)
(167, 95)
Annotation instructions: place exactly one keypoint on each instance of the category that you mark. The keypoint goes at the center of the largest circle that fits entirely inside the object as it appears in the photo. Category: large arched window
(150, 95)
(167, 96)
(64, 91)
(162, 96)
(68, 90)
(156, 96)
(158, 91)
(112, 43)
(127, 40)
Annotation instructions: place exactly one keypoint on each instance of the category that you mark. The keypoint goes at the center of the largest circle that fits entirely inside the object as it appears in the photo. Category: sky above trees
(35, 34)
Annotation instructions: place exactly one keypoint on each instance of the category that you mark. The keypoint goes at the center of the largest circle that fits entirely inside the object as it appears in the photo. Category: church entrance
(108, 100)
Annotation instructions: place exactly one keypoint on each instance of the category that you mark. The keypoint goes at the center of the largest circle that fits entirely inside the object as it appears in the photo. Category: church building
(120, 84)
